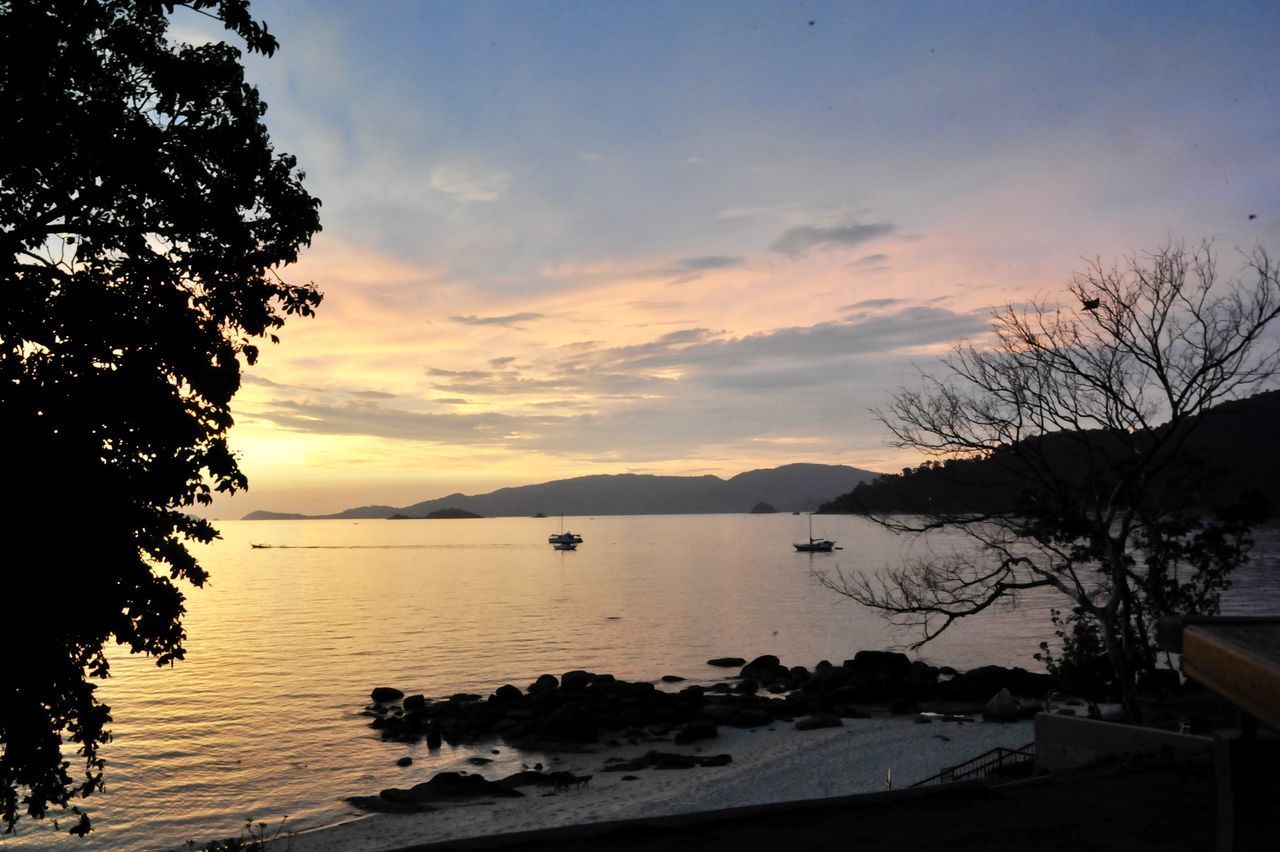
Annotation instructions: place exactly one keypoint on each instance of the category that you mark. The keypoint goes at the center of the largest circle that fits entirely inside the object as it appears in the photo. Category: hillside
(791, 488)
(1231, 452)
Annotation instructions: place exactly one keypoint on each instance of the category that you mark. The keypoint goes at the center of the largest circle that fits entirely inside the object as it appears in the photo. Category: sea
(262, 722)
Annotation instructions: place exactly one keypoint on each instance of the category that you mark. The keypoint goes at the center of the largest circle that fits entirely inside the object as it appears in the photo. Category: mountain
(1230, 452)
(791, 488)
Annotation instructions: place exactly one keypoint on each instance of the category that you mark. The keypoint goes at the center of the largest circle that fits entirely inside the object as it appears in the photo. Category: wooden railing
(999, 762)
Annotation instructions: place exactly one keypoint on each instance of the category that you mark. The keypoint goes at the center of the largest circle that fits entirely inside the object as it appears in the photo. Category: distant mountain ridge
(790, 488)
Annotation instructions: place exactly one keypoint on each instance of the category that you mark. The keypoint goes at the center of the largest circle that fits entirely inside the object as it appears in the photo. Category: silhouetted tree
(1082, 419)
(143, 213)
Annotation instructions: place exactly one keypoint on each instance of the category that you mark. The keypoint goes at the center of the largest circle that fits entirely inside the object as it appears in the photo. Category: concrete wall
(1068, 742)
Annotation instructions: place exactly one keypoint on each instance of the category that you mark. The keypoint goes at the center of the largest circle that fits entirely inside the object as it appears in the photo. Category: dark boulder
(508, 693)
(524, 778)
(726, 662)
(384, 694)
(405, 761)
(544, 683)
(672, 679)
(570, 723)
(450, 786)
(886, 664)
(1002, 707)
(981, 683)
(760, 665)
(415, 703)
(575, 681)
(698, 729)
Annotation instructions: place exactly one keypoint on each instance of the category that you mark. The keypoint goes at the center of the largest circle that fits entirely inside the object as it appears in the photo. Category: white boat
(816, 545)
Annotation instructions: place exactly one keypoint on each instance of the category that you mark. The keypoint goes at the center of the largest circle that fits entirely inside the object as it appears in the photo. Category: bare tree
(1070, 438)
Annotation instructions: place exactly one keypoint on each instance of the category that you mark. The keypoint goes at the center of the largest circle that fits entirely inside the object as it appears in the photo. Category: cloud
(799, 240)
(508, 320)
(459, 374)
(872, 259)
(369, 419)
(501, 362)
(708, 262)
(871, 303)
(468, 182)
(371, 394)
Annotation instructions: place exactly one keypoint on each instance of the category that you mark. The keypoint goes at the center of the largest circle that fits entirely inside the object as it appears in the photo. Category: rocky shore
(580, 711)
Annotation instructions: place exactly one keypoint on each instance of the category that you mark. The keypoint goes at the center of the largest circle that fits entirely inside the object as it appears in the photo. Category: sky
(686, 238)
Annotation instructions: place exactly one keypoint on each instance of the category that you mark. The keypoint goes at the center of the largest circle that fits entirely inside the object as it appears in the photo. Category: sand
(775, 765)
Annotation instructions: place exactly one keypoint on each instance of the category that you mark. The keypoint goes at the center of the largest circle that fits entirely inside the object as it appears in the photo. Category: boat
(564, 536)
(565, 545)
(816, 545)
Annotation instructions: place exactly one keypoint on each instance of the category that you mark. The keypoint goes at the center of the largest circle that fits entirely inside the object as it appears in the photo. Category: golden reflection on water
(263, 718)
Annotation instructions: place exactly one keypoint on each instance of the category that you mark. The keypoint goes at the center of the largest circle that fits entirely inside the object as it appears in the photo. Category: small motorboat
(565, 545)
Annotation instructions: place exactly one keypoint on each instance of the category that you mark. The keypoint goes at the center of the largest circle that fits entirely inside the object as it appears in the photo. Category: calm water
(262, 719)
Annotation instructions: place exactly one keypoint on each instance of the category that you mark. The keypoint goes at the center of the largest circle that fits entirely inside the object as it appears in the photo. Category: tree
(143, 216)
(1069, 456)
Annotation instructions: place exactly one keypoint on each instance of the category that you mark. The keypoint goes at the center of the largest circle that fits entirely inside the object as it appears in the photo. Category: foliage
(1081, 425)
(143, 216)
(253, 838)
(1080, 665)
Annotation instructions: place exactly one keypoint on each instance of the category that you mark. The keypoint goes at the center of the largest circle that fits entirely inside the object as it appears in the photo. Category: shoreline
(774, 763)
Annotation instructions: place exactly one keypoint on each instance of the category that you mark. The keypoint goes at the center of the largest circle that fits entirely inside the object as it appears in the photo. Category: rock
(819, 720)
(575, 681)
(629, 778)
(379, 805)
(698, 729)
(887, 664)
(760, 665)
(450, 786)
(1002, 707)
(433, 737)
(719, 713)
(383, 694)
(980, 683)
(479, 761)
(569, 723)
(747, 687)
(672, 679)
(415, 703)
(726, 662)
(524, 778)
(544, 683)
(507, 692)
(405, 761)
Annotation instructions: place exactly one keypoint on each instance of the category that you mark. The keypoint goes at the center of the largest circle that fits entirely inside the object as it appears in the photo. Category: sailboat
(816, 545)
(564, 537)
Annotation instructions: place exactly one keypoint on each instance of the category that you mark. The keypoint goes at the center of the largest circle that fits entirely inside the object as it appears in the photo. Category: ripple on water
(262, 718)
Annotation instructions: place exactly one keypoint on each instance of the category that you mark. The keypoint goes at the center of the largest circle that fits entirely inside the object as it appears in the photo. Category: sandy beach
(773, 764)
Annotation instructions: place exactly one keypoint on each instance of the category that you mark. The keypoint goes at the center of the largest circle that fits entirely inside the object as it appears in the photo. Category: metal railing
(999, 762)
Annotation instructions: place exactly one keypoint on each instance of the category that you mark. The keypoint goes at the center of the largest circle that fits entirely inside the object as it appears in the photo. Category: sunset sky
(684, 238)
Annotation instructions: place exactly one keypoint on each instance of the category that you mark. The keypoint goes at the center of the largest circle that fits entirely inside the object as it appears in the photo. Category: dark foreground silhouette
(1156, 808)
